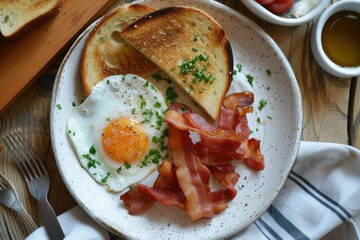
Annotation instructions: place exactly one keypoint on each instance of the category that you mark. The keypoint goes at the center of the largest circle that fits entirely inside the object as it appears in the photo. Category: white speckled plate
(280, 138)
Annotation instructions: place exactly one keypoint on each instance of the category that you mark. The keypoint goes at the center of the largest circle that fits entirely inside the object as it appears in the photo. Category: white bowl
(261, 12)
(316, 45)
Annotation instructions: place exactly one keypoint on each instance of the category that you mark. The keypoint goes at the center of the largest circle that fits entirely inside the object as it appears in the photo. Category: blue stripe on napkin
(268, 229)
(286, 224)
(321, 193)
(306, 186)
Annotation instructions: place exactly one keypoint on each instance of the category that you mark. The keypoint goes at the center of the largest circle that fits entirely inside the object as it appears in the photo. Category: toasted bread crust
(106, 53)
(33, 23)
(175, 36)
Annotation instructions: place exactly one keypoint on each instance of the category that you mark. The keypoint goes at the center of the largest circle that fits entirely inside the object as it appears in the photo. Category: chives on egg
(127, 165)
(103, 180)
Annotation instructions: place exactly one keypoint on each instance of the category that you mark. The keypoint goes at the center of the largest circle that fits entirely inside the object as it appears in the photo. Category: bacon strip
(141, 198)
(214, 156)
(228, 119)
(193, 176)
(242, 127)
(227, 176)
(199, 122)
(216, 138)
(167, 176)
(250, 151)
(235, 100)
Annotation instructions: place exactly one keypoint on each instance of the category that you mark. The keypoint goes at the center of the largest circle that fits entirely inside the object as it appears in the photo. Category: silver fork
(10, 199)
(37, 180)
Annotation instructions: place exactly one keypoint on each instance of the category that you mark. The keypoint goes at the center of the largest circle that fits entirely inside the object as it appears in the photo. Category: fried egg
(118, 133)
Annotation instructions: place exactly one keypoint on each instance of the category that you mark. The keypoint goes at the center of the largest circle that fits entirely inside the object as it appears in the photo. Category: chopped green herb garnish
(92, 150)
(171, 95)
(58, 106)
(148, 113)
(143, 102)
(92, 162)
(194, 49)
(127, 165)
(239, 67)
(250, 79)
(118, 170)
(154, 156)
(73, 104)
(262, 104)
(157, 105)
(195, 38)
(133, 111)
(197, 71)
(268, 72)
(269, 117)
(108, 82)
(103, 180)
(158, 77)
(258, 120)
(159, 120)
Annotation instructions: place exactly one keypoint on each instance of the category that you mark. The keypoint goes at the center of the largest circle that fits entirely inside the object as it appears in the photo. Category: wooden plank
(22, 61)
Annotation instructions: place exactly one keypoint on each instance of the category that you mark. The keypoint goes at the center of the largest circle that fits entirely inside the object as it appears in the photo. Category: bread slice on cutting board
(106, 53)
(191, 47)
(17, 17)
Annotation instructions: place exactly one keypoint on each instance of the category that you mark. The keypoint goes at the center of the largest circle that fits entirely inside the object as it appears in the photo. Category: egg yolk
(124, 140)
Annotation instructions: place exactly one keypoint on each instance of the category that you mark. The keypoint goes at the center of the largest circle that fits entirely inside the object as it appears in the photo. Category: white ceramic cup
(316, 45)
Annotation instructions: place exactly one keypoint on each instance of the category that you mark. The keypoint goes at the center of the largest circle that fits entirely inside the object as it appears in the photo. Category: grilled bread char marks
(106, 53)
(191, 47)
(18, 17)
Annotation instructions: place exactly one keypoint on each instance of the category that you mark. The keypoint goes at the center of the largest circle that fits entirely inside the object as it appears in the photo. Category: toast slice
(107, 53)
(18, 17)
(191, 47)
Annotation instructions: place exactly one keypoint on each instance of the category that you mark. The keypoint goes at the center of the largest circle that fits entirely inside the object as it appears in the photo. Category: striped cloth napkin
(319, 200)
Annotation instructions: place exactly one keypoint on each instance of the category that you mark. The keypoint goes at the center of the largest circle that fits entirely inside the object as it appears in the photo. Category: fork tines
(25, 155)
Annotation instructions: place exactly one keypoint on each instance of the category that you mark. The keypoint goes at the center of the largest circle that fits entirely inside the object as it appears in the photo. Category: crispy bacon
(242, 127)
(236, 100)
(197, 121)
(183, 181)
(228, 119)
(250, 151)
(167, 176)
(179, 107)
(193, 176)
(141, 198)
(214, 156)
(215, 138)
(244, 110)
(137, 200)
(227, 176)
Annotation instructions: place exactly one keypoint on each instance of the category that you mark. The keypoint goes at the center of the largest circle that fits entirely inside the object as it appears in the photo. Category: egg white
(128, 96)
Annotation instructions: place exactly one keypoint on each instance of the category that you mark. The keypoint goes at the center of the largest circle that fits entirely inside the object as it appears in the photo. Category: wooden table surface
(325, 106)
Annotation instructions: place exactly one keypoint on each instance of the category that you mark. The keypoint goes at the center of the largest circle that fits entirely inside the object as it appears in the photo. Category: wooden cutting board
(22, 61)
